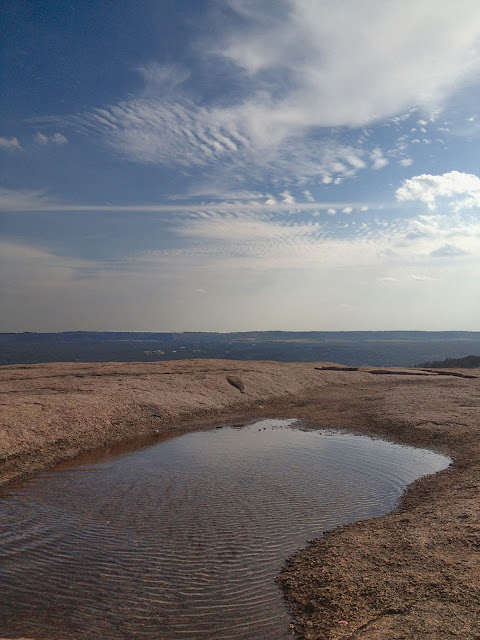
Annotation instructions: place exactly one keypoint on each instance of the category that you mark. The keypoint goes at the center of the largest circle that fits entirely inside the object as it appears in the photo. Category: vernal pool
(183, 538)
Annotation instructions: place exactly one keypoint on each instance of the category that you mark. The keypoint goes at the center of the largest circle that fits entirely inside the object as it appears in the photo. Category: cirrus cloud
(307, 67)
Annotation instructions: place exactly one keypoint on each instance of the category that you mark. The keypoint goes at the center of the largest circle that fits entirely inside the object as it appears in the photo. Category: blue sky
(237, 165)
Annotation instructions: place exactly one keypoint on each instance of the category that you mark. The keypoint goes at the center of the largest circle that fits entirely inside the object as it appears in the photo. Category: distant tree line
(469, 362)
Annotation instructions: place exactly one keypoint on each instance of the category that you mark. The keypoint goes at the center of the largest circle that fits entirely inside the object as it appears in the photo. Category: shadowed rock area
(413, 573)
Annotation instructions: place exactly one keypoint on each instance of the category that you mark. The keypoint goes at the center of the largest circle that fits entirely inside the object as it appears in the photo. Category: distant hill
(351, 348)
(469, 362)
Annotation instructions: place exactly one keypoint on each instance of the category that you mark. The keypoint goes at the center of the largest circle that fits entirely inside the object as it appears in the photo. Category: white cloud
(40, 138)
(448, 251)
(12, 200)
(215, 192)
(428, 188)
(287, 197)
(422, 141)
(309, 66)
(261, 269)
(403, 250)
(331, 211)
(30, 267)
(241, 227)
(399, 120)
(405, 162)
(378, 159)
(353, 63)
(24, 200)
(347, 210)
(379, 163)
(43, 140)
(155, 131)
(10, 144)
(58, 138)
(43, 291)
(162, 79)
(423, 278)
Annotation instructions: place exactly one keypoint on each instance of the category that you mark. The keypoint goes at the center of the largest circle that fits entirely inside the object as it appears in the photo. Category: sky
(235, 165)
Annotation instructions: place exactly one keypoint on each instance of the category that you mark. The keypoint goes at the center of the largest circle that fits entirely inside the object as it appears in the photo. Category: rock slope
(414, 573)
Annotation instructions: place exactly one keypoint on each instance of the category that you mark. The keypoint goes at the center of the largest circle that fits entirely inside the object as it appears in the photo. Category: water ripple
(183, 539)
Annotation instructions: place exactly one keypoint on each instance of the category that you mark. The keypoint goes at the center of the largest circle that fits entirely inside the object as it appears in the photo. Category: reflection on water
(182, 539)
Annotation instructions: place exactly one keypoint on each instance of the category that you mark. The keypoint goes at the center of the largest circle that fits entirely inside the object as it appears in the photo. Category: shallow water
(182, 539)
